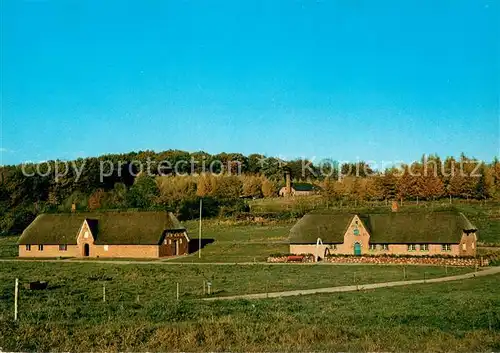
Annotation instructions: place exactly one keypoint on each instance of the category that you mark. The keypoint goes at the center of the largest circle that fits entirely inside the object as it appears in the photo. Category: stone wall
(434, 261)
(417, 260)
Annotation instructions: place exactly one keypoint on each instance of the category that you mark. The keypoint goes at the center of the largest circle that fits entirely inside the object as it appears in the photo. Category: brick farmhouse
(396, 233)
(297, 189)
(105, 234)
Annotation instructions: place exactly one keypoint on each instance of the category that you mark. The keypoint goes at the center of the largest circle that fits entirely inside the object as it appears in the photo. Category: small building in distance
(396, 233)
(105, 234)
(297, 189)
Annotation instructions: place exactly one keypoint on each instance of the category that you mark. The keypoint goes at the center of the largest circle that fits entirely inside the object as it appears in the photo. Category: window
(180, 241)
(40, 247)
(170, 241)
(106, 248)
(356, 231)
(28, 247)
(385, 246)
(333, 247)
(412, 247)
(63, 247)
(424, 247)
(373, 246)
(446, 247)
(86, 235)
(472, 246)
(464, 246)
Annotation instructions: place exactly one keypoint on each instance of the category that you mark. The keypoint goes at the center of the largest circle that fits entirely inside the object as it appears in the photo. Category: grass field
(141, 312)
(151, 280)
(8, 246)
(233, 242)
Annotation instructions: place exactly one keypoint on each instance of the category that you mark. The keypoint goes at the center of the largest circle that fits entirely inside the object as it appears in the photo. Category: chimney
(73, 208)
(288, 183)
(395, 206)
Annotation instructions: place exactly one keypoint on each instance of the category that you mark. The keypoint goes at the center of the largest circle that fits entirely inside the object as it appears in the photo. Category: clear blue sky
(347, 79)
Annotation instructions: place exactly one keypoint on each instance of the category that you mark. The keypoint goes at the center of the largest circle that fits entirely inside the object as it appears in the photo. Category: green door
(357, 249)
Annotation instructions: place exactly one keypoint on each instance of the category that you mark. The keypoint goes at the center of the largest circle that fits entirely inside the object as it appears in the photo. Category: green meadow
(141, 312)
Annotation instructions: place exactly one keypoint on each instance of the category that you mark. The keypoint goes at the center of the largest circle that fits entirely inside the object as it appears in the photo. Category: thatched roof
(134, 228)
(393, 228)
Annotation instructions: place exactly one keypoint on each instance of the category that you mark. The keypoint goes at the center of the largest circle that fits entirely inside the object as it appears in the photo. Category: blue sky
(376, 80)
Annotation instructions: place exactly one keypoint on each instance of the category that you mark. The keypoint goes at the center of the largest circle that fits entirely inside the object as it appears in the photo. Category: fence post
(104, 292)
(404, 272)
(16, 294)
(177, 290)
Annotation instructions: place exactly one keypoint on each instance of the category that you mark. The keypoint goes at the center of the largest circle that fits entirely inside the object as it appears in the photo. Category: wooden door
(357, 249)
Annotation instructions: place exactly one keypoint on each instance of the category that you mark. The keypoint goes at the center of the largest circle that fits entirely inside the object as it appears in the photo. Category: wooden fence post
(177, 290)
(16, 294)
(104, 292)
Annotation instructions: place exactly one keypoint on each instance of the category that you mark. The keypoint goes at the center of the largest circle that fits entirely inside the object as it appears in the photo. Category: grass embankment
(8, 246)
(236, 242)
(141, 312)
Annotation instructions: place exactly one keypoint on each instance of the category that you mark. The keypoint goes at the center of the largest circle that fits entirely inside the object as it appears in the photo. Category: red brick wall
(49, 251)
(174, 244)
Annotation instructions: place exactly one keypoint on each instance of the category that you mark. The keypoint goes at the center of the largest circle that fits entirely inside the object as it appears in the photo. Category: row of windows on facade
(40, 247)
(64, 247)
(410, 247)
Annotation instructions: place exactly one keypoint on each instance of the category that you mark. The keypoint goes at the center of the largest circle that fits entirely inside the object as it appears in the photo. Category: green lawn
(141, 312)
(487, 220)
(226, 231)
(8, 246)
(151, 280)
(238, 242)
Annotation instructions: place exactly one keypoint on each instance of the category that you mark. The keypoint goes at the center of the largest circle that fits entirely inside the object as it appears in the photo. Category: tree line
(29, 189)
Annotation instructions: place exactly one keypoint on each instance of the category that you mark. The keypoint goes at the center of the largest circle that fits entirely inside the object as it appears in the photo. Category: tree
(269, 189)
(96, 199)
(252, 186)
(228, 187)
(143, 193)
(330, 189)
(118, 196)
(206, 185)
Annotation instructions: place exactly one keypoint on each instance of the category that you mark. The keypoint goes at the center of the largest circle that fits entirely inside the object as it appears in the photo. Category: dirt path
(487, 272)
